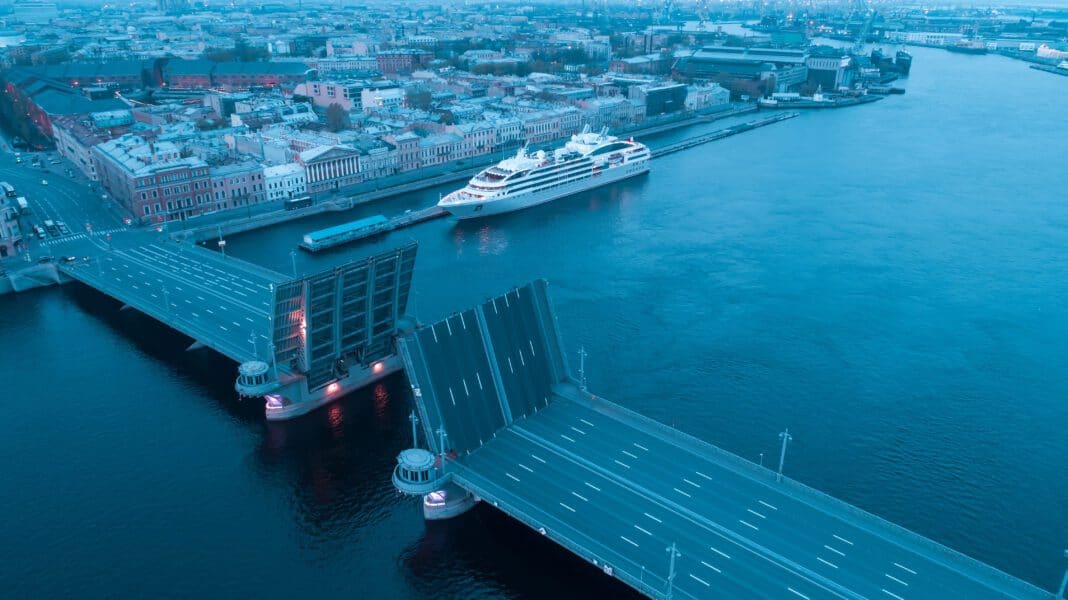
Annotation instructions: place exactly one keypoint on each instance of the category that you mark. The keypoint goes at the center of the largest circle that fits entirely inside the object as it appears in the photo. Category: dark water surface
(888, 281)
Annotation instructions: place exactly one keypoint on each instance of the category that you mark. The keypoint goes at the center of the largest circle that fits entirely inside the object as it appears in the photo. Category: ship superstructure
(586, 161)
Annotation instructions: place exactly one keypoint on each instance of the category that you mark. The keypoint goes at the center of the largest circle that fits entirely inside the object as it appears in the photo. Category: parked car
(44, 182)
(44, 260)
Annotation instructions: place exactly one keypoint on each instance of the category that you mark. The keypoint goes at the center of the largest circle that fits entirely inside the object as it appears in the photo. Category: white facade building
(701, 97)
(285, 181)
(381, 99)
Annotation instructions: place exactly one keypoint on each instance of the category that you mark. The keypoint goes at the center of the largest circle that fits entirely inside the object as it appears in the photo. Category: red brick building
(242, 75)
(152, 180)
(392, 62)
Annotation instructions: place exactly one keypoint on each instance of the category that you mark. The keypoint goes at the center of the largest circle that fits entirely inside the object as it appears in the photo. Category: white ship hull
(500, 205)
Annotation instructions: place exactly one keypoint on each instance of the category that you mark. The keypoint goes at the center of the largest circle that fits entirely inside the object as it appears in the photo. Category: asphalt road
(467, 399)
(72, 199)
(467, 367)
(629, 494)
(221, 302)
(520, 352)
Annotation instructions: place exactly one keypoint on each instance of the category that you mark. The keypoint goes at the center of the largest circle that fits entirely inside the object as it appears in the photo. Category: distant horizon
(1045, 4)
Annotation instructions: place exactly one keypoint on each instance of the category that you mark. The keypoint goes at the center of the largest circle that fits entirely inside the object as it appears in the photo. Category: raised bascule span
(300, 342)
(503, 421)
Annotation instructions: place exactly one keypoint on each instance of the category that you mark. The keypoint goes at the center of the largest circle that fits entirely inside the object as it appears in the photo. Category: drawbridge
(504, 422)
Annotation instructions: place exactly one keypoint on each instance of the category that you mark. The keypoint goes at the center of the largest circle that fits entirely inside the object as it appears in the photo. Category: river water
(887, 281)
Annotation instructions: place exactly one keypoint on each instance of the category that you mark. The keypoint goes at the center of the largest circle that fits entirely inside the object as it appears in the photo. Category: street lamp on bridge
(415, 431)
(673, 553)
(441, 444)
(786, 438)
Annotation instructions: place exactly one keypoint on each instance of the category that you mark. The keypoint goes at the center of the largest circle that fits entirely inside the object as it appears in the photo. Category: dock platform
(722, 133)
(364, 228)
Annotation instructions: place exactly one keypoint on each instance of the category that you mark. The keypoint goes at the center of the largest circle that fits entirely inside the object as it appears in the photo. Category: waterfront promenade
(229, 222)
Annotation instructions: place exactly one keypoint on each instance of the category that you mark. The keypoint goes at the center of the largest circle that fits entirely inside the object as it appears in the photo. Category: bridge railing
(873, 523)
(643, 581)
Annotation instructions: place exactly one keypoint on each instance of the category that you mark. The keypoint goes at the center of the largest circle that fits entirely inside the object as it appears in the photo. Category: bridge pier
(253, 378)
(420, 473)
(286, 394)
(448, 502)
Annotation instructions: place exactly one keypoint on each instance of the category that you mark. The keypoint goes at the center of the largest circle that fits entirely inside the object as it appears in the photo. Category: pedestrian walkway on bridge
(666, 513)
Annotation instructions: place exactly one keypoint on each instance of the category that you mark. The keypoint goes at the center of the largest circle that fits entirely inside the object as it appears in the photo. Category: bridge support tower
(254, 379)
(420, 473)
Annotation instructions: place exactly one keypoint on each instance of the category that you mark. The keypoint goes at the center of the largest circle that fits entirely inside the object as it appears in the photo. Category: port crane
(858, 46)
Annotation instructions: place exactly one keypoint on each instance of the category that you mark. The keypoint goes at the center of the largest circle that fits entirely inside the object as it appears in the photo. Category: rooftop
(140, 158)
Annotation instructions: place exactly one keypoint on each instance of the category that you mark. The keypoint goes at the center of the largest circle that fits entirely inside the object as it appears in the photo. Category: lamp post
(673, 553)
(786, 438)
(274, 361)
(293, 259)
(415, 421)
(441, 444)
(582, 368)
(222, 246)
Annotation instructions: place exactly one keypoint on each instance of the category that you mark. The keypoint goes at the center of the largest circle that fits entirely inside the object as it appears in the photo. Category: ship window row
(549, 183)
(548, 174)
(558, 170)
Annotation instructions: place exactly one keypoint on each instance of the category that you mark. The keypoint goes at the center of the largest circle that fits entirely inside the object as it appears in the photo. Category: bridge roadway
(221, 302)
(626, 493)
(618, 489)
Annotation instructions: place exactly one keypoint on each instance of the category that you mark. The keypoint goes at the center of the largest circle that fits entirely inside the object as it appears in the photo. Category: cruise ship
(586, 161)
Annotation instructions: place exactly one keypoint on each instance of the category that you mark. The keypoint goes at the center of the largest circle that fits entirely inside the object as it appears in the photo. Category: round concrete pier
(254, 379)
